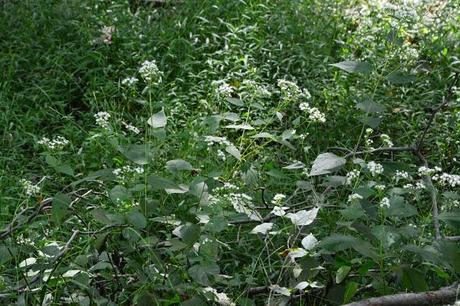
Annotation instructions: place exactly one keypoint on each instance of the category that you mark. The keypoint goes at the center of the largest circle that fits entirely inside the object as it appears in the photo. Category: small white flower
(278, 198)
(131, 128)
(102, 119)
(304, 106)
(354, 197)
(380, 187)
(401, 175)
(386, 140)
(57, 143)
(351, 176)
(385, 202)
(220, 297)
(150, 72)
(374, 168)
(29, 188)
(129, 81)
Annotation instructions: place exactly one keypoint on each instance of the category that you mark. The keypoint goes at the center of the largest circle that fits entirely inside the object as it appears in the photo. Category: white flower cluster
(446, 179)
(368, 141)
(211, 140)
(423, 171)
(256, 90)
(57, 143)
(129, 81)
(25, 241)
(314, 114)
(354, 197)
(222, 88)
(125, 171)
(29, 188)
(241, 202)
(131, 128)
(385, 202)
(106, 34)
(150, 72)
(290, 90)
(402, 175)
(278, 199)
(386, 140)
(380, 187)
(417, 186)
(352, 175)
(102, 119)
(374, 168)
(220, 297)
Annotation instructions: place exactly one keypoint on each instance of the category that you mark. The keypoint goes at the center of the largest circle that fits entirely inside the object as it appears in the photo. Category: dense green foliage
(227, 152)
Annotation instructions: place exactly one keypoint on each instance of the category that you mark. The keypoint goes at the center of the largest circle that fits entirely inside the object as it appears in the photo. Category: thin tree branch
(443, 296)
(445, 100)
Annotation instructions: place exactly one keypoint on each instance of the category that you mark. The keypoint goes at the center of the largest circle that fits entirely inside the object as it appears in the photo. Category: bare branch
(445, 100)
(443, 296)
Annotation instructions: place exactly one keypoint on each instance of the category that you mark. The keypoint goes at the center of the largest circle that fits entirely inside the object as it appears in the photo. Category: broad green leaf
(232, 150)
(60, 207)
(140, 154)
(159, 183)
(353, 212)
(370, 107)
(243, 126)
(263, 135)
(337, 242)
(373, 122)
(342, 272)
(178, 165)
(136, 219)
(354, 66)
(158, 120)
(202, 273)
(235, 101)
(414, 280)
(295, 166)
(190, 233)
(451, 217)
(119, 194)
(398, 208)
(181, 188)
(399, 77)
(350, 291)
(326, 163)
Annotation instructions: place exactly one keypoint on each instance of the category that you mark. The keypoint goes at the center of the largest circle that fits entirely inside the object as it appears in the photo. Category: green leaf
(373, 122)
(398, 208)
(370, 107)
(342, 273)
(158, 120)
(326, 163)
(137, 219)
(159, 183)
(413, 280)
(202, 273)
(100, 215)
(451, 217)
(353, 212)
(178, 165)
(399, 77)
(235, 101)
(58, 166)
(350, 291)
(119, 194)
(140, 154)
(60, 207)
(232, 150)
(243, 126)
(337, 242)
(190, 233)
(354, 66)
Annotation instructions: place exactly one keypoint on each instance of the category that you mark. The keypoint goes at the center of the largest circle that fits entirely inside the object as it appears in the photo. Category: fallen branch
(443, 296)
